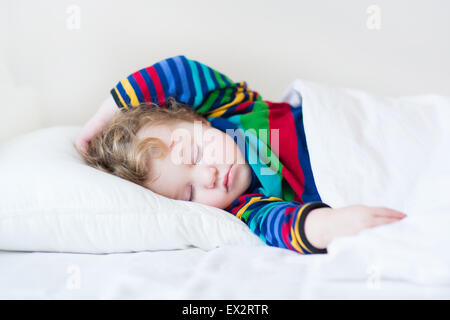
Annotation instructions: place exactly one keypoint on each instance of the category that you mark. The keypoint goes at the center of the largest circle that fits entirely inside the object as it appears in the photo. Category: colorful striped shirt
(283, 190)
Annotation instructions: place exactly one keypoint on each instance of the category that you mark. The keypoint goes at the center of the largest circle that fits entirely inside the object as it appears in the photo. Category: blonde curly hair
(118, 150)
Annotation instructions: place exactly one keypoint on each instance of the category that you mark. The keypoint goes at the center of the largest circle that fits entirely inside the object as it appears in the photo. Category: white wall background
(51, 74)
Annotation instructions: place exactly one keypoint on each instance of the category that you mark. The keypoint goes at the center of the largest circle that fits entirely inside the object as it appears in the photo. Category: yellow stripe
(242, 210)
(239, 96)
(253, 200)
(121, 100)
(130, 91)
(295, 233)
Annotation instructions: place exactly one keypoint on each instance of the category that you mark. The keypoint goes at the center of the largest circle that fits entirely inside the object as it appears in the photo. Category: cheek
(214, 198)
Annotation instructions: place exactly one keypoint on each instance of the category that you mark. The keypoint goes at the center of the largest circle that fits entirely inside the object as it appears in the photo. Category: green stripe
(288, 192)
(222, 84)
(206, 106)
(226, 97)
(246, 214)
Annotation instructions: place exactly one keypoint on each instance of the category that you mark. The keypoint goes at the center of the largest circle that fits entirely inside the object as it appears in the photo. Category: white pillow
(52, 201)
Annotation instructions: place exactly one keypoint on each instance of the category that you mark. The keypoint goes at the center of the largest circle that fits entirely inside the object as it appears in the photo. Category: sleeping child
(188, 132)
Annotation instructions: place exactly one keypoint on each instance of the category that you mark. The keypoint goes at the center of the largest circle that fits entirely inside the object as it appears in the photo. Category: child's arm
(96, 124)
(325, 224)
(310, 227)
(208, 91)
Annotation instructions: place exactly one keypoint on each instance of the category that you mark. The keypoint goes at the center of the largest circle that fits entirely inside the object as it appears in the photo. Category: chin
(225, 205)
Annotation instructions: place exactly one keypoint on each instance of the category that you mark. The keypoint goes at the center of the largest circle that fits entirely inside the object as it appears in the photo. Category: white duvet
(392, 152)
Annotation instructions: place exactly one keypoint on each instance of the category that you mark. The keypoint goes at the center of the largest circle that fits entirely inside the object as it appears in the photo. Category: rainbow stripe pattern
(276, 205)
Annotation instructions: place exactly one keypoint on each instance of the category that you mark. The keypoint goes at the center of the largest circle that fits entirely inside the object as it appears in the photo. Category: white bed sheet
(223, 273)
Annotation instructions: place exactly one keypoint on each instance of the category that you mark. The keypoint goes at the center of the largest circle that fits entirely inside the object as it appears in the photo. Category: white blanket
(392, 152)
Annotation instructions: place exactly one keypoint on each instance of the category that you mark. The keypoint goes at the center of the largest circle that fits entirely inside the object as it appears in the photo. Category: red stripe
(242, 106)
(157, 83)
(141, 83)
(280, 117)
(244, 199)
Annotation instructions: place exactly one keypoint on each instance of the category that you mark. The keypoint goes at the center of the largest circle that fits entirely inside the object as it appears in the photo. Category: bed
(390, 148)
(150, 247)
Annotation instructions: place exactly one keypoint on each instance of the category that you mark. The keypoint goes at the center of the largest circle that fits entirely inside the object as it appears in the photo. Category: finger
(378, 221)
(387, 212)
(82, 146)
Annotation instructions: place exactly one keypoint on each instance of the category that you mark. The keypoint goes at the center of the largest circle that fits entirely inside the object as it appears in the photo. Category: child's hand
(325, 224)
(96, 124)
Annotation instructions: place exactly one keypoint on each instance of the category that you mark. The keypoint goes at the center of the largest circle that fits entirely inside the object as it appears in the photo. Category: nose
(208, 177)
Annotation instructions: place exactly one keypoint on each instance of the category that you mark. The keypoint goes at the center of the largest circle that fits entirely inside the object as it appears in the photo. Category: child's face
(203, 164)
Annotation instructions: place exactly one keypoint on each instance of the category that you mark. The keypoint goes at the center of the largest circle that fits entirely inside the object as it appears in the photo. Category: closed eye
(191, 194)
(197, 156)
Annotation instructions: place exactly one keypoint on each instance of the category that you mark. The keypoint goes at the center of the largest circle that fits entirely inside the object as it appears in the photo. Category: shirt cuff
(117, 100)
(308, 207)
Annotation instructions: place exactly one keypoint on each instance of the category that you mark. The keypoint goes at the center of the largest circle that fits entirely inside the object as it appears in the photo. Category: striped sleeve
(278, 223)
(208, 91)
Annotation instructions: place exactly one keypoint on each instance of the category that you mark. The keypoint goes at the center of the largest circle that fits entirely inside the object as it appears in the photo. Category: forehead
(162, 132)
(173, 131)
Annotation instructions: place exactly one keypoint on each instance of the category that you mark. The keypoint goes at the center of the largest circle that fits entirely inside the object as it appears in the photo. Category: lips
(225, 181)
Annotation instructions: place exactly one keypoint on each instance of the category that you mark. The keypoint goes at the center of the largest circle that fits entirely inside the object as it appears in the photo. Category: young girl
(189, 133)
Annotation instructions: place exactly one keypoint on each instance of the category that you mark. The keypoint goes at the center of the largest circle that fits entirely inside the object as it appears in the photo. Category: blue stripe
(177, 80)
(224, 79)
(190, 80)
(213, 77)
(216, 104)
(123, 93)
(171, 88)
(268, 217)
(263, 211)
(137, 89)
(150, 86)
(162, 79)
(186, 95)
(310, 194)
(277, 226)
(270, 226)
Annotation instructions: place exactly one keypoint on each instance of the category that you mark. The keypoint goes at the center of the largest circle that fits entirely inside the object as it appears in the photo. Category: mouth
(226, 179)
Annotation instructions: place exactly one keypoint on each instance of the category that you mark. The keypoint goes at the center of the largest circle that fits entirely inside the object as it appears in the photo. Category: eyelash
(195, 161)
(192, 193)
